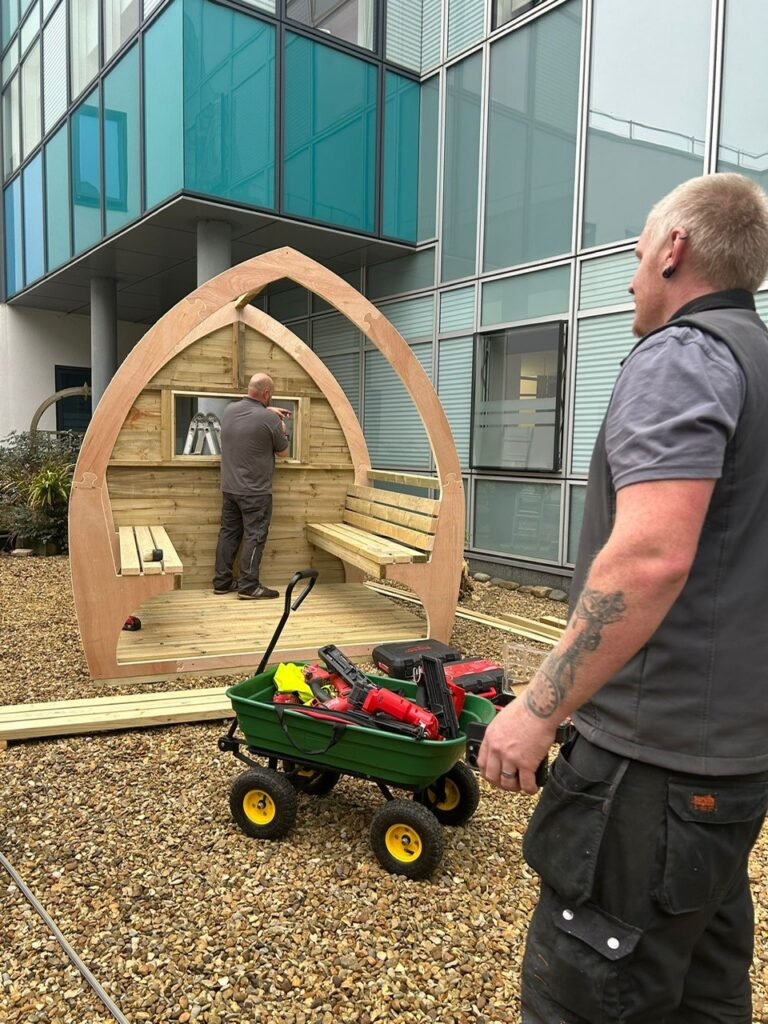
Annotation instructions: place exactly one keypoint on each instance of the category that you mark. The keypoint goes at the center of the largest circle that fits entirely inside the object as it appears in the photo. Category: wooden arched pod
(243, 339)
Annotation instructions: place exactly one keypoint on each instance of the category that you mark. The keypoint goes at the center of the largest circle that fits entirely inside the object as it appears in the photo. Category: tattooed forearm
(557, 675)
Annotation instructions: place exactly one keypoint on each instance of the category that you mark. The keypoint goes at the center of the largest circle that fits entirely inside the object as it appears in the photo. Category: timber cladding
(147, 482)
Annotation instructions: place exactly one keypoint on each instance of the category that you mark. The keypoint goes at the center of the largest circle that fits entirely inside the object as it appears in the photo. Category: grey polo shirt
(674, 408)
(250, 436)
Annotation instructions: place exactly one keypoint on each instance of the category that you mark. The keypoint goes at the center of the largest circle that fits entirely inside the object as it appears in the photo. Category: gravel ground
(127, 841)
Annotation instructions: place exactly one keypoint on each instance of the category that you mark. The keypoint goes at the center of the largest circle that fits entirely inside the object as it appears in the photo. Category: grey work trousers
(244, 518)
(645, 913)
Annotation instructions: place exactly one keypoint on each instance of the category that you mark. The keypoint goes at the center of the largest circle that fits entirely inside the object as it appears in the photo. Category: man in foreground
(252, 435)
(642, 836)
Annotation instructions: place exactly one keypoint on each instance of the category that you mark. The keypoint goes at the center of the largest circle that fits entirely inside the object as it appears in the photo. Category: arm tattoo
(557, 675)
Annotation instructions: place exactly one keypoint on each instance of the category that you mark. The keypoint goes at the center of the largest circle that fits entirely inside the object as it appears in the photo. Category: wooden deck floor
(190, 624)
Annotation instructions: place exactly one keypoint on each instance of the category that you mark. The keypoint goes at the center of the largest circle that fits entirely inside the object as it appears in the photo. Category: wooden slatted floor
(183, 624)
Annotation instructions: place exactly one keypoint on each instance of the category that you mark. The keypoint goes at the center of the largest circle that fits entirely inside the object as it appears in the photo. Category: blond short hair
(726, 219)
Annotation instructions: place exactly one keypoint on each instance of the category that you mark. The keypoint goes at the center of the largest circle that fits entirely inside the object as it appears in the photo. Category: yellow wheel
(407, 839)
(263, 803)
(453, 798)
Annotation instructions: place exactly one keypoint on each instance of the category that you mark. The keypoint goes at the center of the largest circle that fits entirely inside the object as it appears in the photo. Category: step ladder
(204, 432)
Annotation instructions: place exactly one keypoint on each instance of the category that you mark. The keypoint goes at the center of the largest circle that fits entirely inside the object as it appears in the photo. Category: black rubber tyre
(462, 795)
(312, 781)
(407, 839)
(263, 803)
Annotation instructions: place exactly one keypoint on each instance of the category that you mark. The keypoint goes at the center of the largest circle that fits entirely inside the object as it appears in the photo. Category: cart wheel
(263, 803)
(462, 795)
(407, 839)
(311, 781)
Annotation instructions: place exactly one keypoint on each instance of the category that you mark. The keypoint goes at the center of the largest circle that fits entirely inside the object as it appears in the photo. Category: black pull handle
(303, 574)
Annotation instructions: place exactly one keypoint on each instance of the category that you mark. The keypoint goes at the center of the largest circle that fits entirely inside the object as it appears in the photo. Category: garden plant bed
(127, 840)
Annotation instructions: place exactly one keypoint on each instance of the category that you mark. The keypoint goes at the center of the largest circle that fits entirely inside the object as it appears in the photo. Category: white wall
(32, 343)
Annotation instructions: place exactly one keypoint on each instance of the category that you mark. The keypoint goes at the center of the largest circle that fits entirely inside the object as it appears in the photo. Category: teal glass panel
(575, 521)
(86, 173)
(122, 169)
(526, 296)
(405, 274)
(330, 135)
(645, 131)
(34, 240)
(518, 519)
(743, 124)
(57, 198)
(429, 128)
(401, 145)
(229, 104)
(14, 257)
(9, 13)
(461, 170)
(533, 114)
(164, 121)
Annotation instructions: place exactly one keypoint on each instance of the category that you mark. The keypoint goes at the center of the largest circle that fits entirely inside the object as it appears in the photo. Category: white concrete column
(214, 249)
(103, 334)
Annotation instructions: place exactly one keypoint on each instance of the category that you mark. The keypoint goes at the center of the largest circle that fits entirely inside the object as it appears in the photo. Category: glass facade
(401, 172)
(462, 168)
(85, 173)
(121, 19)
(57, 228)
(743, 142)
(330, 135)
(122, 149)
(354, 21)
(519, 519)
(84, 43)
(14, 256)
(34, 238)
(164, 122)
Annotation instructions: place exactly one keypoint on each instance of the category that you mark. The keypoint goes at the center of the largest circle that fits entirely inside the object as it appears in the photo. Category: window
(518, 519)
(14, 255)
(516, 410)
(532, 120)
(401, 171)
(643, 139)
(164, 122)
(34, 240)
(526, 296)
(453, 387)
(84, 41)
(461, 171)
(393, 429)
(121, 141)
(11, 128)
(575, 520)
(57, 198)
(9, 14)
(330, 135)
(743, 127)
(197, 424)
(466, 20)
(73, 413)
(121, 19)
(506, 10)
(31, 122)
(55, 66)
(350, 20)
(86, 173)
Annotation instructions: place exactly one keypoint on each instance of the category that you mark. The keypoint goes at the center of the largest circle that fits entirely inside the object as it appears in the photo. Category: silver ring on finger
(508, 775)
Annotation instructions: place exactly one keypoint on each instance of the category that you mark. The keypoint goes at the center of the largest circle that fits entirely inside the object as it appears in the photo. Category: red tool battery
(479, 676)
(402, 660)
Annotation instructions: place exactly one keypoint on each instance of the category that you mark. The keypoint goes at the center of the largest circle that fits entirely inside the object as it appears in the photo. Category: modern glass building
(481, 169)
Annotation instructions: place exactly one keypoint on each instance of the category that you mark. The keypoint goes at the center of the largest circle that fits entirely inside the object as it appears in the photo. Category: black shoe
(230, 588)
(259, 594)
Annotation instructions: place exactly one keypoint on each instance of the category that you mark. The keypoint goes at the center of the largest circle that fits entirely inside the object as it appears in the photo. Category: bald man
(252, 436)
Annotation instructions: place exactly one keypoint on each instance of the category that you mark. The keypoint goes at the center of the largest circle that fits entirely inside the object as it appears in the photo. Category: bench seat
(136, 546)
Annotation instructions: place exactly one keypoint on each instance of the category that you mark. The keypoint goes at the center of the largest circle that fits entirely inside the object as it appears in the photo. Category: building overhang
(154, 260)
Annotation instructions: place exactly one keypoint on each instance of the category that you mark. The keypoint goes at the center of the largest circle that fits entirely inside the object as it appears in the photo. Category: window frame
(519, 13)
(557, 449)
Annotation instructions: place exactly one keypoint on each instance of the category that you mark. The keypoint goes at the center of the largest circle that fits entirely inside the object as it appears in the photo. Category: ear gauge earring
(667, 272)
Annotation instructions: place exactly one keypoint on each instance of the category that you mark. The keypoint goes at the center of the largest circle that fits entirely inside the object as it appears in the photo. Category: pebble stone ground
(127, 841)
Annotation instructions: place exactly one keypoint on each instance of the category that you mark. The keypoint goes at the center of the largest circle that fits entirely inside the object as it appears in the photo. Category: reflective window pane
(30, 28)
(57, 198)
(34, 242)
(121, 141)
(330, 135)
(534, 89)
(11, 128)
(9, 14)
(405, 274)
(31, 114)
(10, 60)
(164, 122)
(466, 20)
(517, 385)
(401, 171)
(743, 122)
(14, 257)
(121, 19)
(646, 129)
(350, 20)
(393, 441)
(84, 43)
(461, 170)
(86, 173)
(454, 373)
(576, 518)
(526, 296)
(519, 519)
(506, 10)
(429, 127)
(229, 104)
(55, 67)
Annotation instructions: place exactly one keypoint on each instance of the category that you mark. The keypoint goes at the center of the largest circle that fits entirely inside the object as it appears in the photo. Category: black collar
(728, 299)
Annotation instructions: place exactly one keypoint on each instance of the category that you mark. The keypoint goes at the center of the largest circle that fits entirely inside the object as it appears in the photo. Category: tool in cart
(475, 732)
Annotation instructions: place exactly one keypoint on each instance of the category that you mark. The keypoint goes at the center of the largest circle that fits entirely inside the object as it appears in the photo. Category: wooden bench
(137, 544)
(380, 527)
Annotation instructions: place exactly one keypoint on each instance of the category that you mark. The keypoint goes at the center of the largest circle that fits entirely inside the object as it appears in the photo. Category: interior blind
(393, 429)
(431, 32)
(55, 67)
(604, 281)
(334, 334)
(404, 33)
(457, 310)
(454, 376)
(466, 20)
(413, 318)
(602, 344)
(346, 370)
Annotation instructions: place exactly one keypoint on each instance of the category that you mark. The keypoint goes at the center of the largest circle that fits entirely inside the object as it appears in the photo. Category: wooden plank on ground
(129, 556)
(552, 620)
(532, 624)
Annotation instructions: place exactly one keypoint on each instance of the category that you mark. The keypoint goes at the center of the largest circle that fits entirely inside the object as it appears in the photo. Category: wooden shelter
(144, 486)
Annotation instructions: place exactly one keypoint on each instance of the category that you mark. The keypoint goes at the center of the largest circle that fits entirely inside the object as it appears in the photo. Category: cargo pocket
(566, 829)
(710, 832)
(589, 947)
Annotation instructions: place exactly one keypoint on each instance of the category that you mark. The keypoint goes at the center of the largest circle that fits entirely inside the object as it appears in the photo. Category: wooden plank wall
(147, 485)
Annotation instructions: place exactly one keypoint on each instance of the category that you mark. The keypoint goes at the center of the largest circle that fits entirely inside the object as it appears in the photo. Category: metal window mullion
(581, 123)
(482, 159)
(714, 97)
(439, 199)
(379, 153)
(279, 83)
(570, 373)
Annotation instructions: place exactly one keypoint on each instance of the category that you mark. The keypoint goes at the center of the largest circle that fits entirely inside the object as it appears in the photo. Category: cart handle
(303, 574)
(339, 728)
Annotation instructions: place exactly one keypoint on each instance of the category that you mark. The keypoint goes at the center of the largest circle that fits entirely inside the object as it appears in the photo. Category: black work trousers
(243, 518)
(645, 912)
